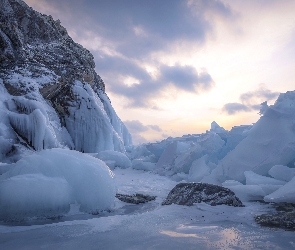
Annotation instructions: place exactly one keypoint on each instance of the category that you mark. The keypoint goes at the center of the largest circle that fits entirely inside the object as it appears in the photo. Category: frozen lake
(150, 226)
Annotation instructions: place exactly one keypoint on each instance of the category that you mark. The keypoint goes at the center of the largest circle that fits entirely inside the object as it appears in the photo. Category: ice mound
(284, 194)
(256, 179)
(46, 182)
(247, 192)
(269, 142)
(198, 170)
(113, 159)
(281, 172)
(141, 164)
(33, 195)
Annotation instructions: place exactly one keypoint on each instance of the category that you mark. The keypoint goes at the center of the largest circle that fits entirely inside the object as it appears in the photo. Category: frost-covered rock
(136, 198)
(50, 94)
(114, 159)
(190, 193)
(283, 220)
(45, 183)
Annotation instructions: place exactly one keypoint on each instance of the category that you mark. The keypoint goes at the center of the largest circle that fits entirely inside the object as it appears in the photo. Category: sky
(171, 67)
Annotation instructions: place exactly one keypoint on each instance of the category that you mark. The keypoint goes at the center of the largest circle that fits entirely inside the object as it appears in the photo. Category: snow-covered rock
(46, 182)
(190, 193)
(50, 94)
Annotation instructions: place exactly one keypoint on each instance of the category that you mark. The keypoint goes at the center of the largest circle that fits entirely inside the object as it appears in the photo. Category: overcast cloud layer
(178, 65)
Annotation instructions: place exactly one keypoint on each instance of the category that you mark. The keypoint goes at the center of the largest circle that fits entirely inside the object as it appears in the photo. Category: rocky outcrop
(136, 198)
(284, 218)
(190, 193)
(40, 62)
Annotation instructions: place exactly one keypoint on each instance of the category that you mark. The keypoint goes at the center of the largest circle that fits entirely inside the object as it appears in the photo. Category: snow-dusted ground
(150, 225)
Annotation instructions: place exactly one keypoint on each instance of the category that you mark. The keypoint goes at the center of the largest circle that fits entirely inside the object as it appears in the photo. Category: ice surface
(89, 181)
(281, 172)
(284, 194)
(152, 226)
(114, 159)
(256, 179)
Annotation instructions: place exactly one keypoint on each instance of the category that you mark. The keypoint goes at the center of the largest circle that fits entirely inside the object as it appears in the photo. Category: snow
(32, 185)
(113, 159)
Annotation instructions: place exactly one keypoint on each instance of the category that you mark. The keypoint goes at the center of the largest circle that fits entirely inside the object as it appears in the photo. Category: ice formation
(270, 142)
(50, 94)
(281, 172)
(255, 161)
(46, 182)
(113, 159)
(284, 194)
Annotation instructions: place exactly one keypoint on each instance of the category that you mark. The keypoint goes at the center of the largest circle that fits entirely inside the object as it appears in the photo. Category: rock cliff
(51, 95)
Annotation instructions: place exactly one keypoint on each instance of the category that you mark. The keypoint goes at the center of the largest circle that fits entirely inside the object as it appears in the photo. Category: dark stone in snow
(136, 198)
(190, 193)
(284, 219)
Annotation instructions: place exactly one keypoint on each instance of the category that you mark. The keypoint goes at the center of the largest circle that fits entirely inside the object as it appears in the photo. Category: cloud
(184, 78)
(250, 100)
(234, 107)
(155, 127)
(135, 127)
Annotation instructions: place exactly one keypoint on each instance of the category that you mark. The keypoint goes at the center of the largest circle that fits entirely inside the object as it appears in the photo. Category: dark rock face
(190, 193)
(135, 199)
(31, 41)
(284, 219)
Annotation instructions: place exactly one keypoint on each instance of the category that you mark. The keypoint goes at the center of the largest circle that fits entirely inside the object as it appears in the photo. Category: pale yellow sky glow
(241, 53)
